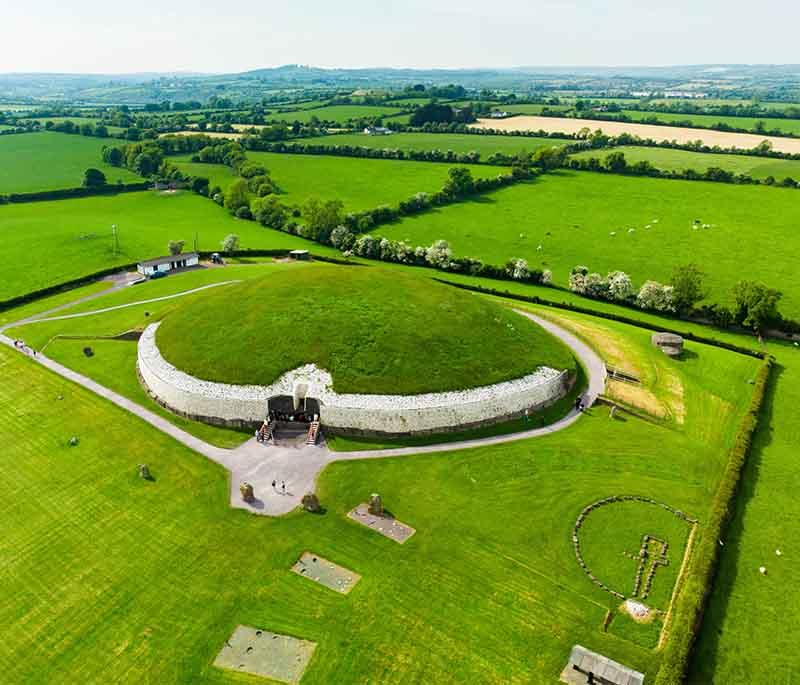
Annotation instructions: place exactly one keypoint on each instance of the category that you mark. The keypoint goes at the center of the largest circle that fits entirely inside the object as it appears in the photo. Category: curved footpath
(260, 464)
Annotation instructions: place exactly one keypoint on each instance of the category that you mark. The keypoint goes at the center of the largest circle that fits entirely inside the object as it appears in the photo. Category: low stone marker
(375, 505)
(384, 524)
(311, 503)
(269, 655)
(73, 441)
(144, 472)
(324, 572)
(247, 493)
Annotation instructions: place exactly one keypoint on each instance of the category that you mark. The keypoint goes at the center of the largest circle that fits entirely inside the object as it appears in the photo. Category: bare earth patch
(326, 573)
(269, 655)
(680, 134)
(385, 525)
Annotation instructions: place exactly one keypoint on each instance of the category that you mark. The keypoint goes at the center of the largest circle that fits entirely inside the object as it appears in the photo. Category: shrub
(656, 296)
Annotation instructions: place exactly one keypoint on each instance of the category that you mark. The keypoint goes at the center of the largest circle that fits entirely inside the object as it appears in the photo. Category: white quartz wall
(237, 404)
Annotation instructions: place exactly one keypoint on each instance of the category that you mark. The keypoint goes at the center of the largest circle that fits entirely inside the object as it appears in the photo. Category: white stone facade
(223, 403)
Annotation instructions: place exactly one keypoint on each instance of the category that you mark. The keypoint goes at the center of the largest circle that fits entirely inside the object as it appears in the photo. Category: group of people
(22, 347)
(580, 405)
(282, 491)
(263, 434)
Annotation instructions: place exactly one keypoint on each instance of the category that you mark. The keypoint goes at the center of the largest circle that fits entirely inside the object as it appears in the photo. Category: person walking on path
(274, 485)
(283, 486)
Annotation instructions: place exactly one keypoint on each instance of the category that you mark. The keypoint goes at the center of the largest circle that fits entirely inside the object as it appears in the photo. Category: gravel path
(260, 464)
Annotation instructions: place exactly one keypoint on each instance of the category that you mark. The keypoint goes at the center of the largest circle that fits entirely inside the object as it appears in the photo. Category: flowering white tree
(620, 286)
(656, 296)
(439, 254)
(342, 238)
(547, 277)
(518, 269)
(595, 285)
(577, 279)
(366, 246)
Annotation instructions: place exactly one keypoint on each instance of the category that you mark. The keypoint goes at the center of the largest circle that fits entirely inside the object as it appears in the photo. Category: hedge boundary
(693, 599)
(70, 193)
(534, 299)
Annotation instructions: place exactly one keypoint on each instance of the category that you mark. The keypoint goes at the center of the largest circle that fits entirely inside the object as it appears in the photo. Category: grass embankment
(51, 161)
(147, 580)
(572, 215)
(73, 237)
(375, 331)
(679, 160)
(359, 183)
(457, 142)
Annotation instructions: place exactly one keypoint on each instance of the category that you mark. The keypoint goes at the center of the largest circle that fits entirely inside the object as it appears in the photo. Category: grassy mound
(375, 330)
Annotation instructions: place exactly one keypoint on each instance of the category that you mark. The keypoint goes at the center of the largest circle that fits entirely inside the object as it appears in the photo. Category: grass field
(791, 126)
(362, 325)
(144, 581)
(78, 121)
(73, 237)
(457, 142)
(359, 183)
(678, 160)
(339, 114)
(572, 215)
(49, 161)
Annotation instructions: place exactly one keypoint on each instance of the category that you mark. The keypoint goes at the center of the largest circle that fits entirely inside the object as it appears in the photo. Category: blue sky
(108, 37)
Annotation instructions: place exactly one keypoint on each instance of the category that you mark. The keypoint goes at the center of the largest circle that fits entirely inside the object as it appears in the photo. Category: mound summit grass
(375, 331)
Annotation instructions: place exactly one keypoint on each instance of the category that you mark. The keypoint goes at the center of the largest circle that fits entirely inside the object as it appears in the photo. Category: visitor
(578, 403)
(274, 484)
(283, 486)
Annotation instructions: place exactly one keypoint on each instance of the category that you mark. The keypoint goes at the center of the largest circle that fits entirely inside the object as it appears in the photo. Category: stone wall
(245, 405)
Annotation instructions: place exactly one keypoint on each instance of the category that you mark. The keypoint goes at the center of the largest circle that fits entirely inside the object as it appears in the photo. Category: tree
(432, 113)
(687, 284)
(93, 178)
(439, 254)
(113, 156)
(615, 162)
(269, 212)
(549, 157)
(237, 196)
(230, 243)
(342, 239)
(175, 246)
(620, 287)
(518, 269)
(321, 218)
(756, 305)
(459, 183)
(655, 296)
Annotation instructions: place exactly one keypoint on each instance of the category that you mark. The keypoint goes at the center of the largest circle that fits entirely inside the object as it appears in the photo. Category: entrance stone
(375, 505)
(247, 493)
(311, 503)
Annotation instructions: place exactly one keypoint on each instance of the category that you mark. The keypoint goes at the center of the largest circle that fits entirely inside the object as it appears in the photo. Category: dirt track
(682, 135)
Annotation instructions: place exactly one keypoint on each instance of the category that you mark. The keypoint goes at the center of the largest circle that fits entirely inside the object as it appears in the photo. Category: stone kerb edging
(610, 500)
(246, 404)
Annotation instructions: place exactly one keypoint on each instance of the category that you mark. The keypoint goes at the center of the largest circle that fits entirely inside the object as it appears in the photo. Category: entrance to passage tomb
(292, 420)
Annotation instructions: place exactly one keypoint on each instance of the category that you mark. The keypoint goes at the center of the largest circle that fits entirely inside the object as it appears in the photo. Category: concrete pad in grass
(326, 573)
(385, 525)
(269, 655)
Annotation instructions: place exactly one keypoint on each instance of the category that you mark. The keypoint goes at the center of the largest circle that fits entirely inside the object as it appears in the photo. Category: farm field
(678, 160)
(176, 545)
(73, 237)
(77, 121)
(788, 126)
(336, 113)
(359, 183)
(723, 139)
(52, 161)
(530, 108)
(573, 214)
(461, 143)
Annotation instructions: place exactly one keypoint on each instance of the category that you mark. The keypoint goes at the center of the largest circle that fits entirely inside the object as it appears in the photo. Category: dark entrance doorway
(282, 408)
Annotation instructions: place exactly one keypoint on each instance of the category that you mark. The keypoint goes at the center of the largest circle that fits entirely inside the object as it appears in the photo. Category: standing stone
(311, 503)
(73, 441)
(375, 505)
(144, 472)
(247, 493)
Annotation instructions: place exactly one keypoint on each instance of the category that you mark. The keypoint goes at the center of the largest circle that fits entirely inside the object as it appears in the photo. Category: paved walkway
(260, 464)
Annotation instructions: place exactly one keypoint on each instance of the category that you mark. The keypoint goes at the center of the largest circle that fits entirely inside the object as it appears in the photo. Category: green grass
(46, 303)
(336, 113)
(73, 238)
(50, 161)
(456, 142)
(791, 126)
(361, 324)
(679, 160)
(359, 183)
(121, 579)
(572, 214)
(113, 365)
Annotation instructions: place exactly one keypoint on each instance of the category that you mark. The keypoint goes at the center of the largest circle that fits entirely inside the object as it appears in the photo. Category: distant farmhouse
(377, 131)
(165, 264)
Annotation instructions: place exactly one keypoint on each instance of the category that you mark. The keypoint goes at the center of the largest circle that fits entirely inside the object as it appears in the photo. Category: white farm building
(164, 264)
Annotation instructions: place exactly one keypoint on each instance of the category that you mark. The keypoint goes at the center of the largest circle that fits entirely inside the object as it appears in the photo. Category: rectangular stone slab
(324, 572)
(385, 525)
(269, 655)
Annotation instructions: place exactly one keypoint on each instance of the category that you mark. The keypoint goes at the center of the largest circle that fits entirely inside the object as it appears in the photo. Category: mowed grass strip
(30, 162)
(680, 160)
(359, 183)
(375, 331)
(572, 215)
(460, 143)
(145, 581)
(46, 243)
